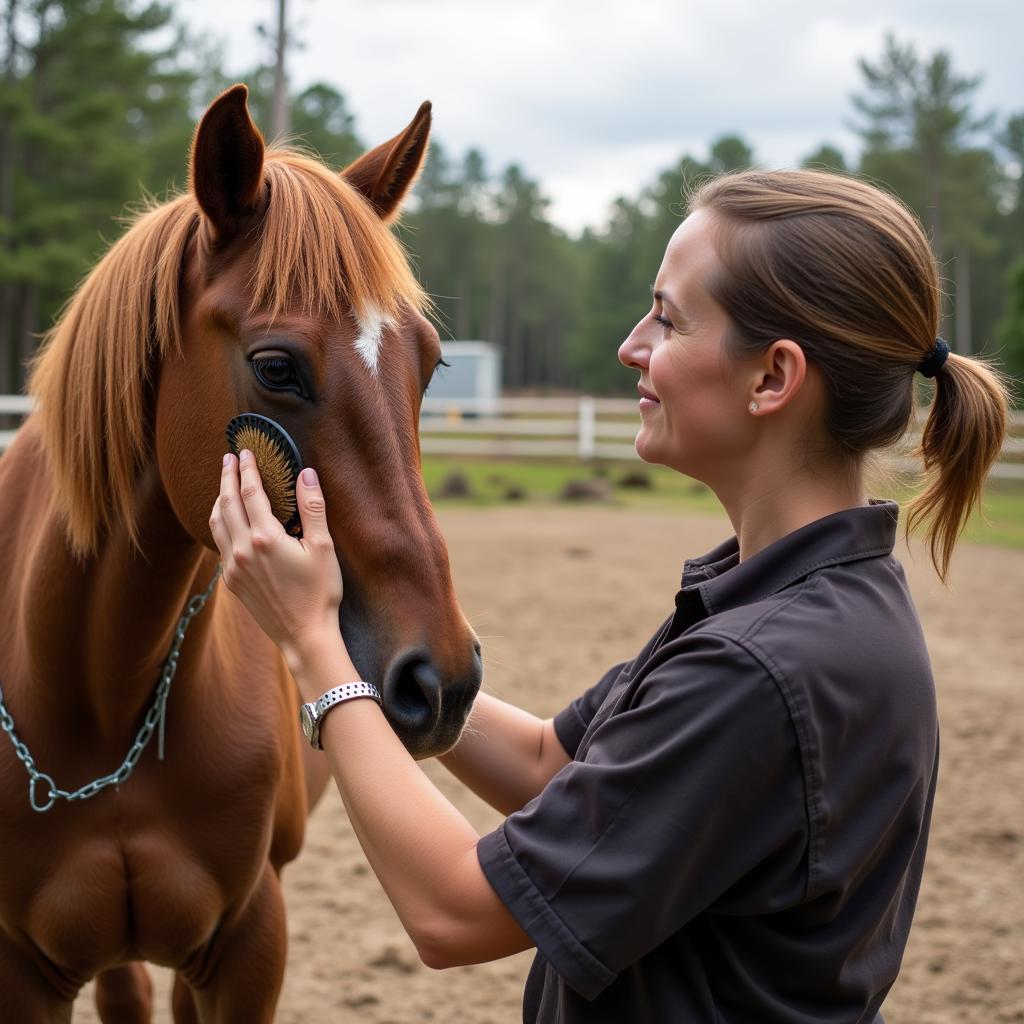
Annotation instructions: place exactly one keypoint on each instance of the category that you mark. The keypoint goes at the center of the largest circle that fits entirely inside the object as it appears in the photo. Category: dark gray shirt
(741, 833)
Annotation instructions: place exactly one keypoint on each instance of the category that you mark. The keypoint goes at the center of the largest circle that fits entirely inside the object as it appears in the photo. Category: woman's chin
(655, 454)
(646, 448)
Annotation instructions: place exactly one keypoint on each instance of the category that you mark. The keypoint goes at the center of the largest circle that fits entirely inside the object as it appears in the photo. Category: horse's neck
(97, 631)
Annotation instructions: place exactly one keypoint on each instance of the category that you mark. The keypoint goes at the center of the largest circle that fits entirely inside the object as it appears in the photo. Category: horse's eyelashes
(278, 373)
(440, 363)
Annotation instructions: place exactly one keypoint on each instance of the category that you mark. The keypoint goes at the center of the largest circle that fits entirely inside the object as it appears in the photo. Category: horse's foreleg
(183, 1002)
(25, 994)
(317, 772)
(245, 971)
(124, 995)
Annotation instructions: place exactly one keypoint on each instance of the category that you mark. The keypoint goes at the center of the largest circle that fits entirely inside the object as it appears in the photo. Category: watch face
(307, 719)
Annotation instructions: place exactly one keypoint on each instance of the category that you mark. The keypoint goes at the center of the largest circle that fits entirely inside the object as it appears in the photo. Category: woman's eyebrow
(660, 295)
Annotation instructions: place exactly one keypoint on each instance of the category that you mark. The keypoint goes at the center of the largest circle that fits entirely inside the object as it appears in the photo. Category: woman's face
(694, 395)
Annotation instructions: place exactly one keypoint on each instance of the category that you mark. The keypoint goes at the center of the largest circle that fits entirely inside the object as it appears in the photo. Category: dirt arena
(559, 594)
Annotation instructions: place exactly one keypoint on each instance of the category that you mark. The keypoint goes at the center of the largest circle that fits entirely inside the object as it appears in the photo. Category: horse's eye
(277, 373)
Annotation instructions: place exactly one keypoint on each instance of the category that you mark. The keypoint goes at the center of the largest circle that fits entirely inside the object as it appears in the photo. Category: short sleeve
(690, 787)
(572, 722)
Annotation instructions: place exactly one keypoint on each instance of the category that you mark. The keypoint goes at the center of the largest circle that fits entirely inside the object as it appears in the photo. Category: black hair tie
(933, 362)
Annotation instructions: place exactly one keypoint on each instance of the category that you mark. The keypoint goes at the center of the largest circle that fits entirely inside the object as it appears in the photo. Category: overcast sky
(595, 97)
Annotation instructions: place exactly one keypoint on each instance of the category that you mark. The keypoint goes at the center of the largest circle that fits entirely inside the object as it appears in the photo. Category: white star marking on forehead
(371, 330)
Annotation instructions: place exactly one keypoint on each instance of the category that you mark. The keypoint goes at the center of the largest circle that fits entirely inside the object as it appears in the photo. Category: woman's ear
(780, 375)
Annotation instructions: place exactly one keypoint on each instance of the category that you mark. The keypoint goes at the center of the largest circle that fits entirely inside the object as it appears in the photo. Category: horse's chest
(106, 901)
(146, 870)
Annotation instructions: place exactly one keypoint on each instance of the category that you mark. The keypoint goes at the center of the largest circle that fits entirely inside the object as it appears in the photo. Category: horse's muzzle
(427, 710)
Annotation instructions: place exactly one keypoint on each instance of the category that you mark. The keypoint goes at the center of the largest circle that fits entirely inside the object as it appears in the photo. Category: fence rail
(585, 428)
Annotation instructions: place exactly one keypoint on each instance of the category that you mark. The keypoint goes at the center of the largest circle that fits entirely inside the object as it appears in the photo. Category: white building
(472, 379)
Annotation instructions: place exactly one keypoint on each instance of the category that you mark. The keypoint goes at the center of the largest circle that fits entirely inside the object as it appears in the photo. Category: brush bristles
(275, 470)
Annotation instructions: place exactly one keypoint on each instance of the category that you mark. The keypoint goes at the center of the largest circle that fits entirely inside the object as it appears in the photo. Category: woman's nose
(634, 351)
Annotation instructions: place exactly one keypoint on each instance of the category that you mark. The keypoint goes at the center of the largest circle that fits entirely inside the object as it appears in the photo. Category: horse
(273, 285)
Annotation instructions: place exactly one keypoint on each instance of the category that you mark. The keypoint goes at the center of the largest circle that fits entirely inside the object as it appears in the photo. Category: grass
(1002, 520)
(542, 482)
(1000, 523)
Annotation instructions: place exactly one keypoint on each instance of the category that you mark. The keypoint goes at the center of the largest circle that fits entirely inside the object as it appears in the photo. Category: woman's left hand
(291, 587)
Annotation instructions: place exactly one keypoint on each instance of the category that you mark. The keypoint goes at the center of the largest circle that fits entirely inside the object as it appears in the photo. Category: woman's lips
(647, 400)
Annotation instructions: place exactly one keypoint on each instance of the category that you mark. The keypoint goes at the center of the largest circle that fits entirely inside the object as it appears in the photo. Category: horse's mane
(93, 372)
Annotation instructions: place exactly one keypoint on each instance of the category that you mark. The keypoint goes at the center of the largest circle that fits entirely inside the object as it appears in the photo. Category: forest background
(98, 101)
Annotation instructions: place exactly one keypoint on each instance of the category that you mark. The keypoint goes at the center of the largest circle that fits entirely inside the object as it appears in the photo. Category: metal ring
(51, 792)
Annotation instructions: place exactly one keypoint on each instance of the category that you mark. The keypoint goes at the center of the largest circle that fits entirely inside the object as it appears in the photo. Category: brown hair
(320, 246)
(844, 269)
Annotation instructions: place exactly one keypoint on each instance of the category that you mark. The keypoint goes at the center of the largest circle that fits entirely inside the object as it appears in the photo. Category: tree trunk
(497, 317)
(27, 329)
(964, 343)
(27, 293)
(7, 164)
(279, 120)
(462, 308)
(7, 358)
(933, 177)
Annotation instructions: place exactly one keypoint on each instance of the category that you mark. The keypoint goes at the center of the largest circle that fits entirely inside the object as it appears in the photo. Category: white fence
(16, 405)
(585, 428)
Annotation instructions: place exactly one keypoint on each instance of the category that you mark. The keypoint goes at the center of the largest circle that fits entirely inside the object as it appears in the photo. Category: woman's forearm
(420, 846)
(506, 755)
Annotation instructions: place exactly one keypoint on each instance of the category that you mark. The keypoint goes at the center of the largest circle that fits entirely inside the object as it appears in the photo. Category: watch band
(338, 695)
(347, 691)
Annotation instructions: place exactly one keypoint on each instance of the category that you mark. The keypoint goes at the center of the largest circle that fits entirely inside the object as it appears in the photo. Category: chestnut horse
(274, 286)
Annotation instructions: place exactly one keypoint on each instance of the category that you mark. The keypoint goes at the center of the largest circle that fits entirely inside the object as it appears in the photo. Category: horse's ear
(385, 174)
(227, 162)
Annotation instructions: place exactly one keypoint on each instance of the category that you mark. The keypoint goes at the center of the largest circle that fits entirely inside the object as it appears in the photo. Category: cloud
(596, 97)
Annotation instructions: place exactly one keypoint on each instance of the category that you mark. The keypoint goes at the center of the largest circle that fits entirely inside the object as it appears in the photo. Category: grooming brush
(277, 459)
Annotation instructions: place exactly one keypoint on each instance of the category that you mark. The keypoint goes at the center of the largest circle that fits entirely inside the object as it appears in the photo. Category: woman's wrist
(318, 661)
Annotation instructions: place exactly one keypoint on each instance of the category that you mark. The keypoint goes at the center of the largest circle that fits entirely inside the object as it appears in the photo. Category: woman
(732, 826)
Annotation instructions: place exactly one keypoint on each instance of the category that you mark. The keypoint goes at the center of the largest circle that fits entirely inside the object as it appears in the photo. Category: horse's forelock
(323, 248)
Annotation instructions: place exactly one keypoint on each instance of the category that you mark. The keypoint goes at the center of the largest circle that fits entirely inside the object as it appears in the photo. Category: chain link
(153, 722)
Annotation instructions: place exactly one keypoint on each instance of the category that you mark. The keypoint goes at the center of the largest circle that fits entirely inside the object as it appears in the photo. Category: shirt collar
(722, 581)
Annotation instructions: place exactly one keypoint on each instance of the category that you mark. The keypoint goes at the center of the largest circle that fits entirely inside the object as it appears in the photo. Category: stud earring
(753, 407)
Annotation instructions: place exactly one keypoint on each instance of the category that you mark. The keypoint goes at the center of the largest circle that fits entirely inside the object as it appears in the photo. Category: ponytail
(961, 439)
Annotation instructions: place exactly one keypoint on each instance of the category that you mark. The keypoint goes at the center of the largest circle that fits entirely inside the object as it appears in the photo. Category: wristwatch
(312, 715)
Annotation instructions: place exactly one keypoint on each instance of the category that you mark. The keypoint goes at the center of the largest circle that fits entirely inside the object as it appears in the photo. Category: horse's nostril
(412, 695)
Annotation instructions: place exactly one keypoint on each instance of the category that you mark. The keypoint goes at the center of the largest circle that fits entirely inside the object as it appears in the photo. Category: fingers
(221, 537)
(265, 527)
(312, 510)
(230, 509)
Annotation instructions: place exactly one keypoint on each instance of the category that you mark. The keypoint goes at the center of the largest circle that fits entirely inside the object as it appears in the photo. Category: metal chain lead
(154, 720)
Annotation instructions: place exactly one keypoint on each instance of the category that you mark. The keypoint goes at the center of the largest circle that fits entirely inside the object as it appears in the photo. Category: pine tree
(319, 117)
(826, 158)
(1010, 334)
(622, 263)
(921, 136)
(730, 153)
(79, 154)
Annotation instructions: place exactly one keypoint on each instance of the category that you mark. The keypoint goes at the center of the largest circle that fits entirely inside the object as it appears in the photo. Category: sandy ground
(557, 595)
